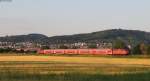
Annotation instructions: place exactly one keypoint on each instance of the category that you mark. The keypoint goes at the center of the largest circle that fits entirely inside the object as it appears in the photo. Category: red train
(86, 51)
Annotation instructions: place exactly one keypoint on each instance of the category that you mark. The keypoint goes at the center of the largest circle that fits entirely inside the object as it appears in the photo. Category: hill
(132, 36)
(24, 38)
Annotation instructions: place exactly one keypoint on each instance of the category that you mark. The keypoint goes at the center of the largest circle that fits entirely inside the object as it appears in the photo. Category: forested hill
(134, 36)
(24, 38)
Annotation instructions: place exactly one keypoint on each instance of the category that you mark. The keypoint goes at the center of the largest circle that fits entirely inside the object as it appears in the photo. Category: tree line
(140, 48)
(11, 50)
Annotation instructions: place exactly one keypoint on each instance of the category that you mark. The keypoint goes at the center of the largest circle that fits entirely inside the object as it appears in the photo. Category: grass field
(74, 68)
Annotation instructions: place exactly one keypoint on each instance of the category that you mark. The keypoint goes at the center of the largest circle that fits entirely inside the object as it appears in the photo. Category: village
(31, 46)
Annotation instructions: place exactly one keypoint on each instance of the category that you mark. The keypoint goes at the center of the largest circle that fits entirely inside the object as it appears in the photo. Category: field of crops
(75, 68)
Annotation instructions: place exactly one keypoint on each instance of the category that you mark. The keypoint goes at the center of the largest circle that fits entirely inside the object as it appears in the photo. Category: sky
(66, 17)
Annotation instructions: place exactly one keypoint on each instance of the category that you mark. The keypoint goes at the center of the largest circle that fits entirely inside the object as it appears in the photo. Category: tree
(6, 50)
(143, 48)
(148, 49)
(63, 47)
(137, 50)
(45, 47)
(75, 47)
(119, 44)
(1, 50)
(92, 46)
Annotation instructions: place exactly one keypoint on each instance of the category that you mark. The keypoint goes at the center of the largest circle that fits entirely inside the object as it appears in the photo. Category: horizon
(56, 18)
(73, 34)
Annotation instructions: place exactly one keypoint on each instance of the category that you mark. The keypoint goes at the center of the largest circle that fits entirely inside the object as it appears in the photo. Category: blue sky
(65, 17)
